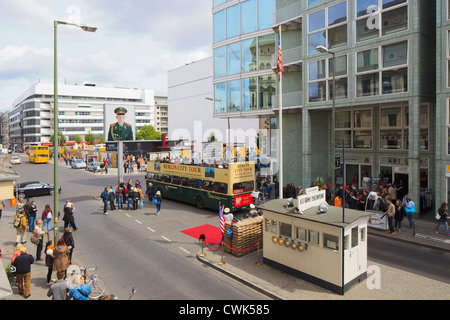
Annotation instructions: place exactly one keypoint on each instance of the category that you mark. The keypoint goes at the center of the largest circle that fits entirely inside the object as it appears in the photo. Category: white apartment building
(80, 111)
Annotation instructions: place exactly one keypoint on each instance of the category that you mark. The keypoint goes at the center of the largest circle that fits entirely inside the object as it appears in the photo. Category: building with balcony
(383, 56)
(161, 115)
(80, 111)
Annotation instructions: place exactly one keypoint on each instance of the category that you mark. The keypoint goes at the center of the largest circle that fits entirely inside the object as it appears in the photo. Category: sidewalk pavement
(395, 284)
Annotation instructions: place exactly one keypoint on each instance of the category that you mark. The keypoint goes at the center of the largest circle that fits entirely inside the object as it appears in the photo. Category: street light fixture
(87, 28)
(323, 49)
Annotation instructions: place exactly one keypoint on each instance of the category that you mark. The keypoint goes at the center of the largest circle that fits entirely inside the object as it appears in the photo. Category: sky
(137, 42)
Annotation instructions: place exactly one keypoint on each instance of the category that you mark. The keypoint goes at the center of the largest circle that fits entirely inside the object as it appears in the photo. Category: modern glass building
(382, 56)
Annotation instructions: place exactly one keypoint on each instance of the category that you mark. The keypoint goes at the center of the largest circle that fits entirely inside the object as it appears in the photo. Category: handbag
(410, 210)
(155, 201)
(437, 216)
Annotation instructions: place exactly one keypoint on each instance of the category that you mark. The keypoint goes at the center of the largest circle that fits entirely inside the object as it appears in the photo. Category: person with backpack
(111, 198)
(104, 196)
(442, 214)
(20, 224)
(69, 220)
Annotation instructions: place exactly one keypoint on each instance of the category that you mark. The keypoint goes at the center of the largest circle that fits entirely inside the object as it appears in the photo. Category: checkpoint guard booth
(315, 242)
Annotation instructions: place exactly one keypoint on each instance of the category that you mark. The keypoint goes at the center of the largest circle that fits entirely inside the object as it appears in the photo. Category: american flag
(221, 219)
(280, 62)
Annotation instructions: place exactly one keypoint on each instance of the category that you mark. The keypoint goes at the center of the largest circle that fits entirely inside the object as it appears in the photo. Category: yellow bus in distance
(38, 154)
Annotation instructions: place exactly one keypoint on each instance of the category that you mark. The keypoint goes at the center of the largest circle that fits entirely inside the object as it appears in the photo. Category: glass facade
(328, 27)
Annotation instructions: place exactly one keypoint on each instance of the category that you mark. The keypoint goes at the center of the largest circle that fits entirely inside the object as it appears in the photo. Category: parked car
(15, 160)
(78, 164)
(34, 188)
(94, 167)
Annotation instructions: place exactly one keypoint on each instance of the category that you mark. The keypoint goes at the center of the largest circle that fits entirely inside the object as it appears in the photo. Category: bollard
(221, 263)
(202, 254)
(259, 263)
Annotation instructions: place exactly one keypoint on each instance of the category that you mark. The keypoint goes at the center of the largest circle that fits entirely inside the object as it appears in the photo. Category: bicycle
(97, 286)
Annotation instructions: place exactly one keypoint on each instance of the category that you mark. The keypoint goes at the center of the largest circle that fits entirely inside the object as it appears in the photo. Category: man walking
(104, 197)
(23, 272)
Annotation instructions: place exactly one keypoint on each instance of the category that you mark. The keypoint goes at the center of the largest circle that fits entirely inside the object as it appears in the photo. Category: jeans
(445, 225)
(105, 206)
(32, 223)
(398, 224)
(141, 203)
(158, 207)
(120, 202)
(46, 224)
(130, 202)
(410, 219)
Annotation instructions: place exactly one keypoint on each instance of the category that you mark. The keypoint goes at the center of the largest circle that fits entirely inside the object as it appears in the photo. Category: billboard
(119, 123)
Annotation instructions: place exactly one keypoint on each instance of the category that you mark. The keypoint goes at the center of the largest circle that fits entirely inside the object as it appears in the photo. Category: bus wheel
(200, 202)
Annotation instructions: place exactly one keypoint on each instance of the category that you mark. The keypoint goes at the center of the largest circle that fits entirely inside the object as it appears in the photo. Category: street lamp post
(86, 28)
(322, 49)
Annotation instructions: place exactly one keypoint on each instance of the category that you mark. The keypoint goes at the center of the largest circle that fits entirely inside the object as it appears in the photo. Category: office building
(80, 111)
(381, 55)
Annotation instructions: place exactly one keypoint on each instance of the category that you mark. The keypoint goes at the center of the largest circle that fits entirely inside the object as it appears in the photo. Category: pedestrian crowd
(58, 257)
(132, 195)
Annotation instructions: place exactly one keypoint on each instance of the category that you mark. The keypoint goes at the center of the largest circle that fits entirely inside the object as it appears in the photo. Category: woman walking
(443, 214)
(61, 257)
(47, 216)
(69, 241)
(410, 210)
(157, 202)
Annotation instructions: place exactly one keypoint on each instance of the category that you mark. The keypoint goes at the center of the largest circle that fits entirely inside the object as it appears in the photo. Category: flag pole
(280, 106)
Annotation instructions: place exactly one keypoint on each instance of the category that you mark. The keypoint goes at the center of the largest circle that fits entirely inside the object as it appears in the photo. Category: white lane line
(127, 215)
(151, 229)
(183, 249)
(138, 221)
(168, 240)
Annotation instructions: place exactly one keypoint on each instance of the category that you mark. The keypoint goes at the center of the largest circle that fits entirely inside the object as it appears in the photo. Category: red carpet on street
(212, 234)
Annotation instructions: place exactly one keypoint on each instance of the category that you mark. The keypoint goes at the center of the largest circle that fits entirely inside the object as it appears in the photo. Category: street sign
(337, 161)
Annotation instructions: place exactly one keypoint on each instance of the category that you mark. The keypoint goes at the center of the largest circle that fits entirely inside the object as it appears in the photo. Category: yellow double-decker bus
(204, 186)
(38, 154)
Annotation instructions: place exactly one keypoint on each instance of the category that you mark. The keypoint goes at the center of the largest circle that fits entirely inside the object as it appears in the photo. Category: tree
(89, 138)
(61, 139)
(147, 132)
(78, 139)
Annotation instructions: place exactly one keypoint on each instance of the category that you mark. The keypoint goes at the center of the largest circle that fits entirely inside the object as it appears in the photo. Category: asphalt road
(140, 249)
(137, 248)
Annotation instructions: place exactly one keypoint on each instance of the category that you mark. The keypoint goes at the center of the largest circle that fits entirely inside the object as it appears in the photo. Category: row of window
(244, 94)
(381, 70)
(355, 127)
(315, 237)
(219, 187)
(328, 27)
(244, 56)
(243, 18)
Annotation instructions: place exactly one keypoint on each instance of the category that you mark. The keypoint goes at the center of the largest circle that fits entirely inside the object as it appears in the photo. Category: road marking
(127, 215)
(138, 221)
(432, 238)
(168, 240)
(183, 249)
(151, 229)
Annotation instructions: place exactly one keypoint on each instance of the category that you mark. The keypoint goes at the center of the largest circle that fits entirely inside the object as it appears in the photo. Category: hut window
(354, 237)
(301, 234)
(271, 225)
(285, 230)
(330, 241)
(313, 236)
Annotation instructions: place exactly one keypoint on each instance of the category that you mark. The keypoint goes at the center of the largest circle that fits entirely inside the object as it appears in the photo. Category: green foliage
(148, 133)
(89, 138)
(61, 139)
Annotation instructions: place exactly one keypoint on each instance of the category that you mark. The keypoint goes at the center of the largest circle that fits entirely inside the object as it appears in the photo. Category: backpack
(381, 204)
(18, 221)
